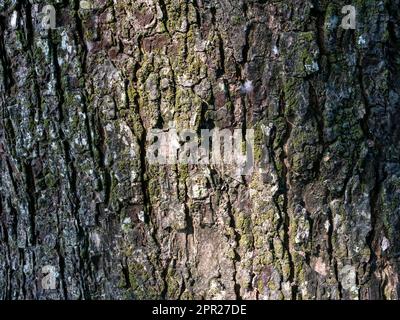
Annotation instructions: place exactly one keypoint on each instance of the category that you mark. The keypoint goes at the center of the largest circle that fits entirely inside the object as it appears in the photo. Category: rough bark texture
(319, 221)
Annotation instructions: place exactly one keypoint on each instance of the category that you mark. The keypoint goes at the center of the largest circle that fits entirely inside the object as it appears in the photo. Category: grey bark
(321, 221)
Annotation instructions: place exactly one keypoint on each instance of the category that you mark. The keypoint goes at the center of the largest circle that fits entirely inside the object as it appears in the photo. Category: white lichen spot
(185, 81)
(275, 50)
(82, 115)
(141, 216)
(127, 139)
(84, 142)
(109, 127)
(361, 41)
(247, 87)
(385, 244)
(303, 229)
(303, 288)
(89, 45)
(312, 67)
(85, 5)
(27, 268)
(65, 42)
(164, 83)
(216, 290)
(81, 141)
(327, 225)
(126, 223)
(361, 112)
(199, 192)
(13, 20)
(134, 176)
(51, 85)
(184, 26)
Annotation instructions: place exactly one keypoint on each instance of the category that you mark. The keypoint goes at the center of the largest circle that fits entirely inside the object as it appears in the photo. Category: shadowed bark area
(318, 219)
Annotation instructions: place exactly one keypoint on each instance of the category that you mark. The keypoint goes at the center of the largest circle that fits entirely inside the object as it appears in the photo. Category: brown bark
(77, 193)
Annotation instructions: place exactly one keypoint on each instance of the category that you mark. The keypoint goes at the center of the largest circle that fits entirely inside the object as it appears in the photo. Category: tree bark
(319, 220)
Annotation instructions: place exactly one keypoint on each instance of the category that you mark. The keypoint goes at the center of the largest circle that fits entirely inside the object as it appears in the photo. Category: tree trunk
(84, 215)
